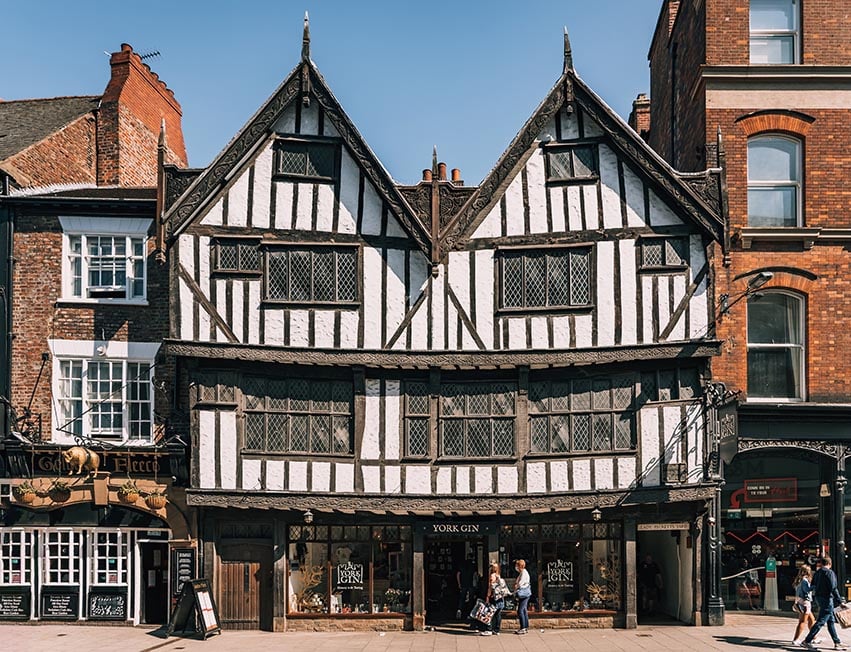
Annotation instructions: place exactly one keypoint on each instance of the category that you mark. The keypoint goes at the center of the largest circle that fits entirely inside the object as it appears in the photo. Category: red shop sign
(771, 490)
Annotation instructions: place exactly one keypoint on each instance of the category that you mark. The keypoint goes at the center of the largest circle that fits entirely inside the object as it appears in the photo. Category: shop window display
(350, 569)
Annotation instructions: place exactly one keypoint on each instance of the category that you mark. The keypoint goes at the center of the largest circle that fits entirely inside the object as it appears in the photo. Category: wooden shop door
(245, 599)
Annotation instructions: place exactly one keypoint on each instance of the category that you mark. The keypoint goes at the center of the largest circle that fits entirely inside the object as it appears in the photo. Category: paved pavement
(741, 632)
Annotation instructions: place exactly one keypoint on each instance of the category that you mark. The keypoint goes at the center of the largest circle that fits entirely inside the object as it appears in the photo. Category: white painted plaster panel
(548, 133)
(679, 331)
(344, 477)
(304, 208)
(262, 188)
(558, 476)
(462, 479)
(286, 123)
(660, 214)
(483, 479)
(664, 304)
(604, 473)
(626, 472)
(275, 475)
(537, 182)
(574, 208)
(584, 324)
(694, 445)
(323, 323)
(221, 298)
(207, 449)
(582, 475)
(485, 298)
(444, 480)
(647, 307)
(514, 221)
(629, 297)
(392, 406)
(204, 283)
(320, 477)
(610, 189)
(186, 313)
(283, 204)
(536, 477)
(459, 277)
(238, 201)
(649, 434)
(698, 306)
(371, 479)
(592, 217)
(557, 209)
(516, 332)
(674, 429)
(370, 447)
(214, 214)
(349, 182)
(592, 129)
(394, 226)
(227, 449)
(251, 474)
(274, 327)
(372, 264)
(310, 120)
(561, 332)
(348, 329)
(238, 303)
(299, 327)
(298, 476)
(325, 207)
(569, 125)
(371, 224)
(507, 480)
(419, 328)
(328, 129)
(186, 252)
(392, 479)
(395, 298)
(605, 293)
(452, 331)
(419, 275)
(540, 335)
(417, 479)
(491, 225)
(438, 314)
(634, 198)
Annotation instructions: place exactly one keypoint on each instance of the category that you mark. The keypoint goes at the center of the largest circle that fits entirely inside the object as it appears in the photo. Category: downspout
(6, 237)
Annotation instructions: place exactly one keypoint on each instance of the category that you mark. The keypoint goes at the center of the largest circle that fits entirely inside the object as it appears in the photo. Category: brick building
(85, 309)
(774, 78)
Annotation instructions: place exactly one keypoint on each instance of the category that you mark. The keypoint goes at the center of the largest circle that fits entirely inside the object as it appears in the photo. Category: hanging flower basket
(25, 493)
(156, 500)
(59, 491)
(128, 493)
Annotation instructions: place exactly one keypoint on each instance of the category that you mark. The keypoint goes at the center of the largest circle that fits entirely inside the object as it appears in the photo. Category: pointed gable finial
(568, 53)
(305, 41)
(434, 163)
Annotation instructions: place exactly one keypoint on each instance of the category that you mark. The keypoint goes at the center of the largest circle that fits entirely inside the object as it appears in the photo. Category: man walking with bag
(826, 596)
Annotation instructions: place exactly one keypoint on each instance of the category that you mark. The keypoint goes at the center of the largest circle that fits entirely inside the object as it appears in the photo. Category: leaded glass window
(298, 415)
(664, 252)
(477, 419)
(574, 162)
(671, 384)
(416, 419)
(582, 415)
(312, 275)
(557, 278)
(313, 160)
(237, 256)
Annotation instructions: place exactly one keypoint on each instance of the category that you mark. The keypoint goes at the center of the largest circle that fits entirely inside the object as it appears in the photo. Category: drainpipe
(6, 233)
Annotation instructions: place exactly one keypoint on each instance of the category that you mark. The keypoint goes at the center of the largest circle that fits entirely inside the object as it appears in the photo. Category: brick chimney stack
(134, 105)
(639, 119)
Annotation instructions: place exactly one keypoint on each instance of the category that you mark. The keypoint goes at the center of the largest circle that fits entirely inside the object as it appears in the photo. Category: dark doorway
(444, 560)
(154, 583)
(245, 586)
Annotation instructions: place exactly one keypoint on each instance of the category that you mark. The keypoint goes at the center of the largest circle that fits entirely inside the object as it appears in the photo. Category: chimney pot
(441, 171)
(456, 174)
(426, 175)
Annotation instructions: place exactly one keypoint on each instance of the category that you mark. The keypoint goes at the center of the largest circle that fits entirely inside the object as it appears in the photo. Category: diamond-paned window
(477, 419)
(664, 252)
(312, 160)
(297, 415)
(236, 256)
(324, 275)
(545, 279)
(572, 163)
(582, 415)
(672, 384)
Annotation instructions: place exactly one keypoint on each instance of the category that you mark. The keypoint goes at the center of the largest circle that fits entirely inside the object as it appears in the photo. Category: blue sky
(463, 76)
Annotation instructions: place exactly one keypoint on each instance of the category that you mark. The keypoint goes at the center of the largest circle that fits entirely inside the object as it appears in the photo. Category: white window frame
(779, 184)
(100, 552)
(767, 35)
(801, 348)
(86, 354)
(75, 540)
(86, 228)
(25, 540)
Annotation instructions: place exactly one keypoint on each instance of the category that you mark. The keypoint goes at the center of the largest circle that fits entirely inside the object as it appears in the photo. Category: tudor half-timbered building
(387, 380)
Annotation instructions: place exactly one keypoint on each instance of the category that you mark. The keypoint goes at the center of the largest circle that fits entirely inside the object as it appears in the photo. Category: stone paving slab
(740, 633)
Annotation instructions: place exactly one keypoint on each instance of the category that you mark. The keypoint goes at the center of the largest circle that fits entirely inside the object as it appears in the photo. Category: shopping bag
(842, 613)
(482, 612)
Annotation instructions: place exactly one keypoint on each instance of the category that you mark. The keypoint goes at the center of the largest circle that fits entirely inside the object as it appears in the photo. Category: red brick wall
(67, 156)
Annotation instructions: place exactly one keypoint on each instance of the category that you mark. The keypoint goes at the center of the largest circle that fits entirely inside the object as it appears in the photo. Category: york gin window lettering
(455, 528)
(560, 574)
(350, 576)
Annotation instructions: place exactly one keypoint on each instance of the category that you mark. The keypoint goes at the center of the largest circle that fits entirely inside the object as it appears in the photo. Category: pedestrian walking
(497, 591)
(649, 585)
(523, 591)
(803, 605)
(465, 577)
(826, 596)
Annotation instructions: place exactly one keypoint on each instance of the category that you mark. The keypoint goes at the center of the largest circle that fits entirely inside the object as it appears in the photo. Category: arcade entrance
(454, 570)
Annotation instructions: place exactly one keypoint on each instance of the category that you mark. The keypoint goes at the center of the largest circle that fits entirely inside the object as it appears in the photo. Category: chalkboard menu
(195, 606)
(182, 568)
(15, 603)
(107, 605)
(60, 605)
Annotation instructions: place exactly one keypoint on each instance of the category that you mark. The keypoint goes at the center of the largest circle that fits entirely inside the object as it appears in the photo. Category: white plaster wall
(679, 331)
(304, 207)
(392, 407)
(438, 314)
(320, 477)
(629, 296)
(349, 180)
(558, 476)
(214, 214)
(483, 480)
(227, 449)
(574, 208)
(392, 479)
(238, 201)
(507, 480)
(569, 125)
(592, 217)
(325, 201)
(310, 120)
(462, 479)
(647, 307)
(275, 476)
(626, 472)
(634, 199)
(485, 299)
(298, 476)
(649, 438)
(514, 223)
(610, 188)
(536, 477)
(323, 328)
(251, 474)
(694, 449)
(443, 482)
(371, 221)
(491, 225)
(285, 124)
(204, 284)
(582, 475)
(660, 214)
(299, 328)
(540, 335)
(605, 293)
(561, 332)
(262, 188)
(417, 479)
(348, 329)
(557, 208)
(698, 306)
(283, 205)
(344, 476)
(673, 428)
(604, 473)
(371, 479)
(395, 297)
(536, 180)
(584, 325)
(370, 447)
(207, 449)
(372, 264)
(254, 318)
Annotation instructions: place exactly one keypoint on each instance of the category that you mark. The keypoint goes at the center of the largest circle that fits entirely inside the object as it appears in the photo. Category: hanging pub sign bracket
(195, 607)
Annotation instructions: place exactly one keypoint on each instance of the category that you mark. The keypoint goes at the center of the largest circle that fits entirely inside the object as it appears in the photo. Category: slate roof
(26, 122)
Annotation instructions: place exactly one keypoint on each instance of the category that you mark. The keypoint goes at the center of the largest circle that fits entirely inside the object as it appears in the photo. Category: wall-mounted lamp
(754, 283)
(308, 517)
(596, 514)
